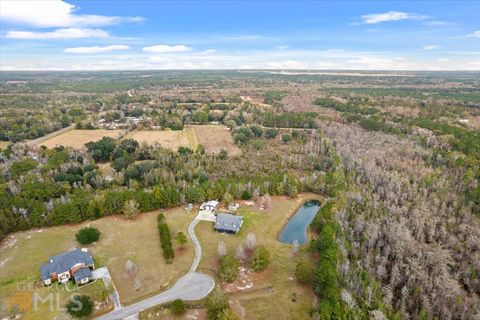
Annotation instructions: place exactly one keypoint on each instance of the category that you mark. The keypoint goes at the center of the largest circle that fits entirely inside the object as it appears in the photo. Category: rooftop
(65, 261)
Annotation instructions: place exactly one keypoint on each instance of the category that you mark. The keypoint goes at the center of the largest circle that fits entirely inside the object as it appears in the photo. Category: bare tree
(221, 249)
(251, 241)
(240, 254)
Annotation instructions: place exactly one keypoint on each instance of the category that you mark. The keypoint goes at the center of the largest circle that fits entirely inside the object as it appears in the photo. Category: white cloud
(54, 13)
(164, 48)
(287, 64)
(248, 38)
(439, 23)
(375, 18)
(207, 52)
(256, 59)
(66, 33)
(96, 49)
(431, 47)
(474, 34)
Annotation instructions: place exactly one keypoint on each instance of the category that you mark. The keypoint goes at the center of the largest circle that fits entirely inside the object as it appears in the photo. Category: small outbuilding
(228, 223)
(209, 206)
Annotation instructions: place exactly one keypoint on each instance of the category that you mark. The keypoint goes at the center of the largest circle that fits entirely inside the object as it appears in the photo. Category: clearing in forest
(215, 138)
(78, 138)
(169, 139)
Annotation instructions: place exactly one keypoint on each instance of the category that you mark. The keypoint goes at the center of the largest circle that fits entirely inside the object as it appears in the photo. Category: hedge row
(165, 240)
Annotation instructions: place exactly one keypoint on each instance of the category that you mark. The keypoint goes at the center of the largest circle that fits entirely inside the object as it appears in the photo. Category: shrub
(286, 138)
(165, 240)
(80, 306)
(87, 235)
(260, 259)
(228, 270)
(131, 209)
(177, 307)
(228, 314)
(304, 272)
(216, 304)
(181, 238)
(271, 133)
(246, 195)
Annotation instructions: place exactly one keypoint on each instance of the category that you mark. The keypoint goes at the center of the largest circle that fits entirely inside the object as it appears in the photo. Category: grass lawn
(21, 254)
(258, 302)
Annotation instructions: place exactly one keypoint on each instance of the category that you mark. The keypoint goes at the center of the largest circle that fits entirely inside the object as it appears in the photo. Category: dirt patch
(78, 138)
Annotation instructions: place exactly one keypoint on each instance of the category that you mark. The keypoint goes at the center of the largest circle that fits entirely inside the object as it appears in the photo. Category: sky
(146, 35)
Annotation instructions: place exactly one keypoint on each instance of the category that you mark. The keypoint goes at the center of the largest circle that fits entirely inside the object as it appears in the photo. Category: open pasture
(215, 138)
(169, 139)
(78, 138)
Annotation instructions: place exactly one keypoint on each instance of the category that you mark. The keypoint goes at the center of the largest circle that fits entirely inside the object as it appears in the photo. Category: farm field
(215, 138)
(169, 139)
(78, 138)
(121, 240)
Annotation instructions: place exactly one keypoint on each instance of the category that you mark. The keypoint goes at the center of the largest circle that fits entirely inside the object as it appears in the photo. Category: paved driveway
(190, 287)
(104, 274)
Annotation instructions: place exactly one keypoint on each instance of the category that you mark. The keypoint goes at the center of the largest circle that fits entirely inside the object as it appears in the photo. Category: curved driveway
(192, 286)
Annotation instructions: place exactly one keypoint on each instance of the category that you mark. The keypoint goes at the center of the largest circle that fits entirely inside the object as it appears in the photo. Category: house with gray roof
(75, 264)
(228, 223)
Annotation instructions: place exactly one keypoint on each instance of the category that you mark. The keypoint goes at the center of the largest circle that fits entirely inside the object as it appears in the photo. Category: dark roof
(82, 273)
(228, 222)
(64, 262)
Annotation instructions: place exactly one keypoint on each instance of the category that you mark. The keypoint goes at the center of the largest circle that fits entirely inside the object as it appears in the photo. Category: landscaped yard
(121, 240)
(266, 295)
(259, 302)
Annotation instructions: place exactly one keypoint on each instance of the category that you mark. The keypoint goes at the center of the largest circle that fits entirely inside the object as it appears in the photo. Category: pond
(296, 228)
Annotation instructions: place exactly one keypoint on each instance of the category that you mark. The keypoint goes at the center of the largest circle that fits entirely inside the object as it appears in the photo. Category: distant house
(209, 206)
(228, 223)
(233, 207)
(76, 264)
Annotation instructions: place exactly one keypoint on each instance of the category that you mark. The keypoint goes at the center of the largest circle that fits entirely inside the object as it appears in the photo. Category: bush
(87, 235)
(271, 133)
(228, 270)
(165, 240)
(177, 307)
(286, 138)
(80, 306)
(246, 195)
(304, 272)
(260, 259)
(216, 304)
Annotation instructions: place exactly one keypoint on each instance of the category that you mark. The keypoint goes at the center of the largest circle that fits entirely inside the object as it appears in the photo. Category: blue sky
(113, 35)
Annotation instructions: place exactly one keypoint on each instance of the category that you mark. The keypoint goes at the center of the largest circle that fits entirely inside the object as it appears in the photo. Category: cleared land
(121, 240)
(215, 138)
(78, 138)
(4, 144)
(169, 139)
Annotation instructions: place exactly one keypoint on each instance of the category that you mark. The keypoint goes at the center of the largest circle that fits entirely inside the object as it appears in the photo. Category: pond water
(296, 228)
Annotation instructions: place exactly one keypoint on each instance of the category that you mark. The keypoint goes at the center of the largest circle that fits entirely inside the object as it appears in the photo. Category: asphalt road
(192, 286)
